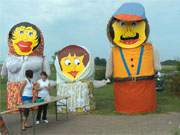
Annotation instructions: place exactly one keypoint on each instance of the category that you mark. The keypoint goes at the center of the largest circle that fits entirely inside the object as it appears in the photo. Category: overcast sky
(83, 22)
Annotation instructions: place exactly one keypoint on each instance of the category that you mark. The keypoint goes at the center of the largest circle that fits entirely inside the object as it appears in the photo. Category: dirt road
(149, 124)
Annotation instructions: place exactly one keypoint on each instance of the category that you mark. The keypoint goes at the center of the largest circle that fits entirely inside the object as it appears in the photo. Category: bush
(178, 66)
(172, 84)
(99, 72)
(100, 61)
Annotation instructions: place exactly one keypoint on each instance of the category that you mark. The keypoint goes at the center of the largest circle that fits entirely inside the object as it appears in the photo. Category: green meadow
(167, 102)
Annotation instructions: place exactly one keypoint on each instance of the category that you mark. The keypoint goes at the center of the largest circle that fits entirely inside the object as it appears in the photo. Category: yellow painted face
(129, 34)
(24, 39)
(72, 66)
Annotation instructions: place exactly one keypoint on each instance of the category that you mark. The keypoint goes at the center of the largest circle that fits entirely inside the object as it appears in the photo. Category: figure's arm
(12, 65)
(109, 65)
(4, 71)
(157, 64)
(108, 73)
(100, 83)
(46, 67)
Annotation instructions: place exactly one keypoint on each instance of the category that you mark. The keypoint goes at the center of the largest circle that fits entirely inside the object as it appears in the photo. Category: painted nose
(25, 37)
(74, 67)
(129, 32)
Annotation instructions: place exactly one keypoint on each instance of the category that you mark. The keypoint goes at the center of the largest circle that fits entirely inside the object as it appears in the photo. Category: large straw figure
(133, 61)
(26, 48)
(75, 69)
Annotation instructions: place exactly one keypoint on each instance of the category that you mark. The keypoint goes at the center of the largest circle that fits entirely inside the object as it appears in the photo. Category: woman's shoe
(23, 129)
(28, 126)
(37, 122)
(46, 121)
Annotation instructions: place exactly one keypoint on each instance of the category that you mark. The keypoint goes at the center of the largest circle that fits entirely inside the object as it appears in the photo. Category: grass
(176, 131)
(2, 94)
(167, 102)
(105, 99)
(168, 68)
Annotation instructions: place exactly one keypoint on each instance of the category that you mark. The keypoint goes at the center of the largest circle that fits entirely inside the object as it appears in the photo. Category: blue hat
(130, 12)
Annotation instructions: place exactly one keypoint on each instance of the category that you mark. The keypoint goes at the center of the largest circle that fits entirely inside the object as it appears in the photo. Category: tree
(100, 61)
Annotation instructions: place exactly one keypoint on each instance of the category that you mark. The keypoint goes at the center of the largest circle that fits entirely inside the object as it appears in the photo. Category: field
(168, 68)
(104, 98)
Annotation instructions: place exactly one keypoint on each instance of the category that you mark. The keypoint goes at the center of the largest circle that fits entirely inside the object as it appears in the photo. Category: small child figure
(43, 93)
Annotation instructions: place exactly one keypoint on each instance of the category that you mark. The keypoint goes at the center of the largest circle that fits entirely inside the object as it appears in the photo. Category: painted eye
(67, 62)
(122, 23)
(21, 32)
(134, 24)
(30, 33)
(77, 61)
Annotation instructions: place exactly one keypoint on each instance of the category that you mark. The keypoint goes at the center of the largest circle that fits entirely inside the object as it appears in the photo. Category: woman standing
(26, 94)
(43, 93)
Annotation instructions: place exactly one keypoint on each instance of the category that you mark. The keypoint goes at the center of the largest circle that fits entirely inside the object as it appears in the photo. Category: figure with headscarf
(75, 78)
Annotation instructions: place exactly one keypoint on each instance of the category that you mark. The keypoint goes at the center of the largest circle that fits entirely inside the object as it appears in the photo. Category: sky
(83, 22)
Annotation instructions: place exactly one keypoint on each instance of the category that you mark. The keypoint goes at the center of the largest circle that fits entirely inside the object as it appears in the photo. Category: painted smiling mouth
(73, 73)
(24, 46)
(129, 40)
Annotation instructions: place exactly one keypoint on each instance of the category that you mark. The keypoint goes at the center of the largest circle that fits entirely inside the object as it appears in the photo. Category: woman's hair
(38, 50)
(44, 73)
(74, 50)
(29, 74)
(26, 24)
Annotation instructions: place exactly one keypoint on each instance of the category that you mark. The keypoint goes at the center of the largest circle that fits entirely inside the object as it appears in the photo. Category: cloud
(49, 11)
(84, 22)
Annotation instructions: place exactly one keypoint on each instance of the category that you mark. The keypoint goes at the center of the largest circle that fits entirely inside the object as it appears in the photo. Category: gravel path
(149, 124)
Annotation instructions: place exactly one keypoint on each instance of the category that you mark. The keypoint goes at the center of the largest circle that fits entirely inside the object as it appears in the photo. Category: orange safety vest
(134, 62)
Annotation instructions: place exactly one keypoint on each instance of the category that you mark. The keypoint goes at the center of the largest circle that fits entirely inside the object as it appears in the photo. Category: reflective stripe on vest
(140, 60)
